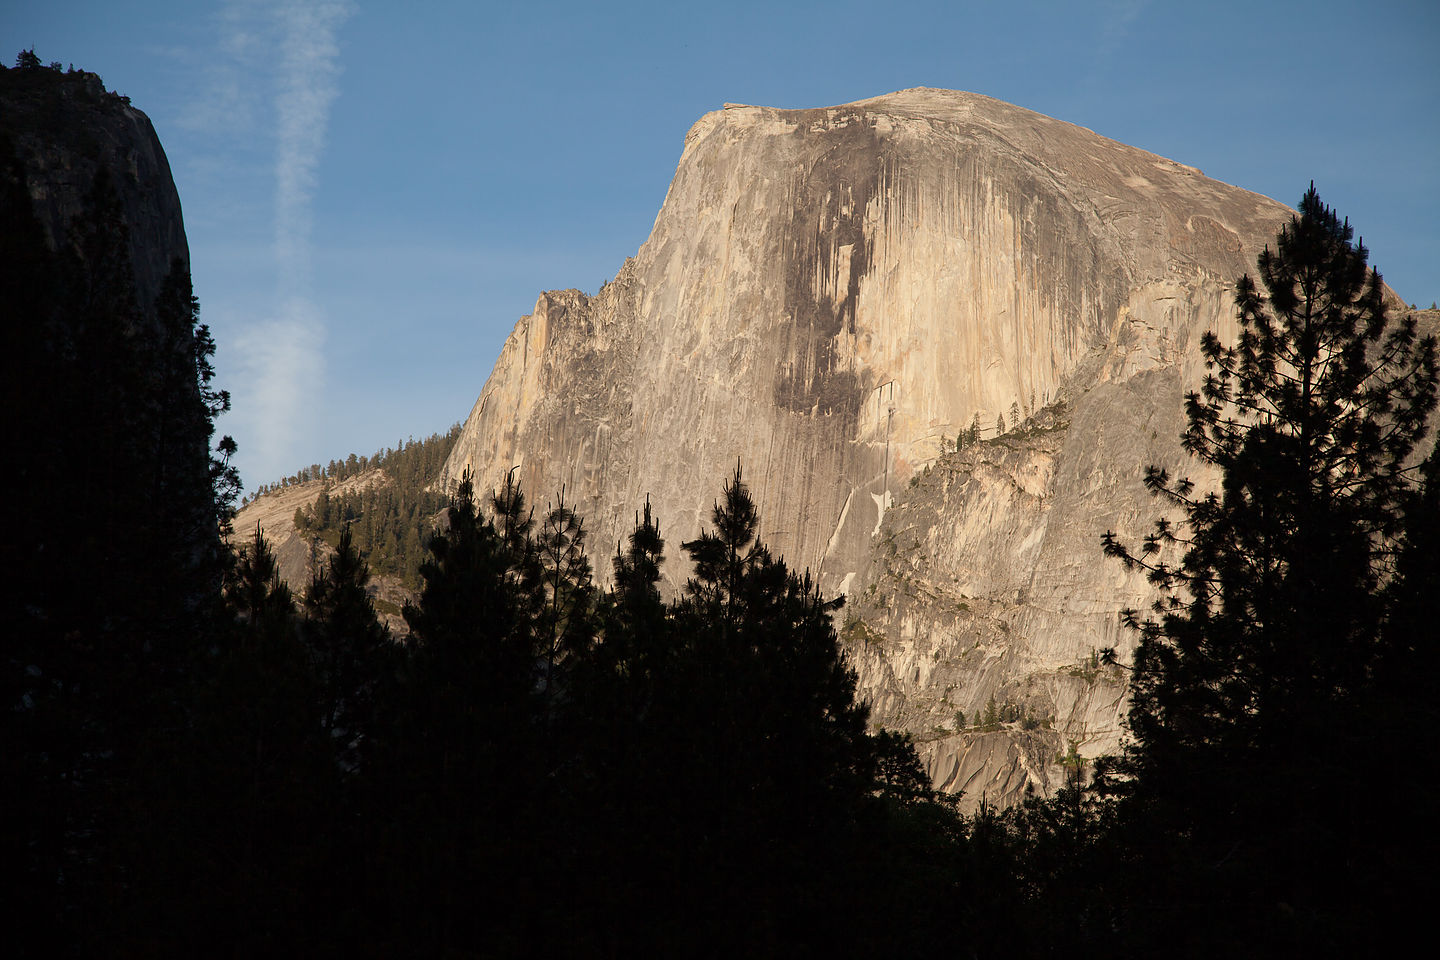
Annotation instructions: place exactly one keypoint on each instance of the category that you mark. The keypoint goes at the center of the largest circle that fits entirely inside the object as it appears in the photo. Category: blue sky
(375, 192)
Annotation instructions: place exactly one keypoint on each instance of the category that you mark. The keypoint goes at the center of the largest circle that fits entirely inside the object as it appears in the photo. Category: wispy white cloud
(287, 49)
(281, 367)
(230, 91)
(309, 83)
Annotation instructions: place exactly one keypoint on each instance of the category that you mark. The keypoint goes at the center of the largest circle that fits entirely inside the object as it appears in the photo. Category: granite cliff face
(106, 390)
(830, 296)
(65, 127)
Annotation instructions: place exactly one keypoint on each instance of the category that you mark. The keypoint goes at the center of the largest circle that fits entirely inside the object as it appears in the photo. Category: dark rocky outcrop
(62, 128)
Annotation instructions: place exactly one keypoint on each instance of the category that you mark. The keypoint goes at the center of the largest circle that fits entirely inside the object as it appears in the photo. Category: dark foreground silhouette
(194, 763)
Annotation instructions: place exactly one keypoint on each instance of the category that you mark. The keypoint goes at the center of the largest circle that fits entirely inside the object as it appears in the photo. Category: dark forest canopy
(195, 764)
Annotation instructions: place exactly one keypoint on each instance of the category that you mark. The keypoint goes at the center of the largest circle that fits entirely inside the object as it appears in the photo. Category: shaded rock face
(986, 586)
(63, 128)
(104, 388)
(829, 296)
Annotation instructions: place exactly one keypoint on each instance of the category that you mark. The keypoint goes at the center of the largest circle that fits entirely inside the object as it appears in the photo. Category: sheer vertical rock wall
(829, 297)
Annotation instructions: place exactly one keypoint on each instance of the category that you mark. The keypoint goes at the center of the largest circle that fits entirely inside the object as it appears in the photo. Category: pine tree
(253, 832)
(471, 622)
(635, 642)
(790, 768)
(565, 624)
(194, 487)
(256, 590)
(467, 730)
(348, 646)
(991, 719)
(781, 695)
(1263, 645)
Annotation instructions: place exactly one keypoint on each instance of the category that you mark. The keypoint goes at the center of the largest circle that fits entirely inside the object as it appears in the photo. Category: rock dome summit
(830, 297)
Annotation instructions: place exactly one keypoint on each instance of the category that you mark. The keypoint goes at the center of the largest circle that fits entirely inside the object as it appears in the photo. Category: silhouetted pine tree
(194, 487)
(471, 624)
(565, 622)
(789, 760)
(636, 635)
(456, 804)
(254, 588)
(622, 718)
(1241, 772)
(349, 650)
(248, 841)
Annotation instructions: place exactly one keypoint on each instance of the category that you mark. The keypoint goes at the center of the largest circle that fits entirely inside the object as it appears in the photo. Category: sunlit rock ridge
(829, 296)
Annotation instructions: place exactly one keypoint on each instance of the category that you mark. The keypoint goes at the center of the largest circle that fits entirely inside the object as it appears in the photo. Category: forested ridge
(391, 516)
(198, 763)
(414, 462)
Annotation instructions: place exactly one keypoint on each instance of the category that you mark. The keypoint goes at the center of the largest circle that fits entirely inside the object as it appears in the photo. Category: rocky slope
(830, 296)
(298, 556)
